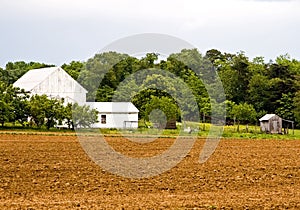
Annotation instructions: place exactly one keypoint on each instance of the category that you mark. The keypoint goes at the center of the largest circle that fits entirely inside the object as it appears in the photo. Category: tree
(214, 56)
(284, 79)
(53, 112)
(105, 94)
(92, 75)
(259, 92)
(244, 112)
(205, 109)
(13, 104)
(148, 61)
(144, 98)
(235, 76)
(82, 116)
(21, 106)
(7, 93)
(296, 103)
(45, 111)
(286, 107)
(4, 77)
(165, 105)
(73, 69)
(37, 110)
(229, 106)
(68, 115)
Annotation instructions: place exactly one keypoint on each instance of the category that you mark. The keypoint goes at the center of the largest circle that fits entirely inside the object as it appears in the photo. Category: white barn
(53, 82)
(122, 115)
(56, 83)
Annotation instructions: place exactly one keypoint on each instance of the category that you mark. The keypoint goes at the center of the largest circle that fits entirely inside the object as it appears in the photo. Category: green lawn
(202, 130)
(198, 129)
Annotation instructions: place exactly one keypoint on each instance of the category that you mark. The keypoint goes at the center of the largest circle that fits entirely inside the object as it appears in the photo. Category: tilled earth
(53, 172)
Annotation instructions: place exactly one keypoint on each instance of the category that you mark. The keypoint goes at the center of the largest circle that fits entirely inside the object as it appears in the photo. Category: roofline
(44, 79)
(74, 80)
(288, 120)
(57, 67)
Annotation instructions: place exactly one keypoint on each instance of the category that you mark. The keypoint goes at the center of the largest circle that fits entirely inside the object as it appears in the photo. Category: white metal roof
(34, 77)
(267, 117)
(113, 107)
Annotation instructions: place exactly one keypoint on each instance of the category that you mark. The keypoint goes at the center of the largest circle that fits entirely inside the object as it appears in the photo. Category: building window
(103, 119)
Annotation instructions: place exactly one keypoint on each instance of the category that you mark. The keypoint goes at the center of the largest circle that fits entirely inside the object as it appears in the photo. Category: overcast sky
(59, 31)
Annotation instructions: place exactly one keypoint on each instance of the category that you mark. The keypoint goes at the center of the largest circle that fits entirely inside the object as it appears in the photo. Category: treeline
(252, 87)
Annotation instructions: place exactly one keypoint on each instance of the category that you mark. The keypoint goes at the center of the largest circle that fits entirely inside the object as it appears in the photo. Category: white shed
(122, 115)
(53, 82)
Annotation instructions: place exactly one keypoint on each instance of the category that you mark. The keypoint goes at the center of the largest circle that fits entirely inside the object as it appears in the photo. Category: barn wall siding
(60, 84)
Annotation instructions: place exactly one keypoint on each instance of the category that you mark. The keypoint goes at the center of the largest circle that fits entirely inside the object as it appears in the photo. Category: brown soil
(53, 172)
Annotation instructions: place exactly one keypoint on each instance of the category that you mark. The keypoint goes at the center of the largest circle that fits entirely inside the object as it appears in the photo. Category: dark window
(103, 119)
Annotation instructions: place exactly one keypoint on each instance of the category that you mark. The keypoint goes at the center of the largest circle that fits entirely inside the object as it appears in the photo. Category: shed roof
(113, 107)
(267, 117)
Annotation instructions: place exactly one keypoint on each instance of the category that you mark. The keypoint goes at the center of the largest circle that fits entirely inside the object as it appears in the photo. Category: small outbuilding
(121, 115)
(271, 123)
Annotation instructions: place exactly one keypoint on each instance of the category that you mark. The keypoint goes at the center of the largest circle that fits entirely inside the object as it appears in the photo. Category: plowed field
(53, 172)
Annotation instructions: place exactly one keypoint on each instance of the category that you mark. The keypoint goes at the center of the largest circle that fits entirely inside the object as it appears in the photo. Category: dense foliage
(252, 87)
(269, 87)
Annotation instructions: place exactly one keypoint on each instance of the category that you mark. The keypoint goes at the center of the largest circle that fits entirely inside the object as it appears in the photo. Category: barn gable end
(53, 82)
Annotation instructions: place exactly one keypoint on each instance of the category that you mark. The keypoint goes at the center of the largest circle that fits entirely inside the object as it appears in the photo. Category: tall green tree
(83, 116)
(286, 107)
(45, 111)
(6, 103)
(21, 106)
(166, 105)
(95, 69)
(235, 76)
(296, 103)
(54, 112)
(13, 104)
(73, 68)
(259, 90)
(244, 113)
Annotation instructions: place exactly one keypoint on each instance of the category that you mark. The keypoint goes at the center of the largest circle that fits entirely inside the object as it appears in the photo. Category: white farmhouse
(122, 115)
(53, 82)
(56, 83)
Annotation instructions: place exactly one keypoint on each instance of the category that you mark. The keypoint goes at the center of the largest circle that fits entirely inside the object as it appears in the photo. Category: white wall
(62, 85)
(116, 120)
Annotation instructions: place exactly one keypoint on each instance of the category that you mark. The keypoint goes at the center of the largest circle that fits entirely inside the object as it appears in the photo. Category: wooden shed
(271, 123)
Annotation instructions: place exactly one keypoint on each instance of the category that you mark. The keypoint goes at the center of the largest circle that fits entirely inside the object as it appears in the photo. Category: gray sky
(59, 31)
